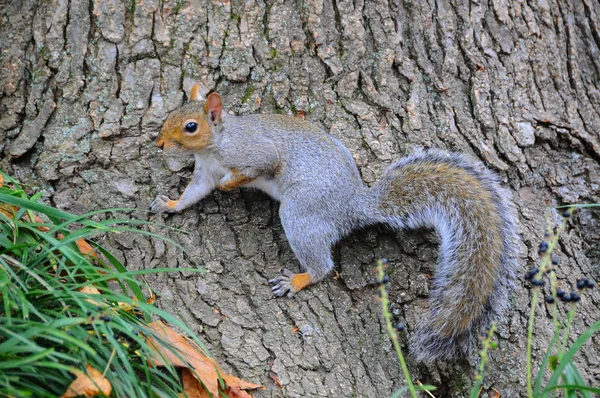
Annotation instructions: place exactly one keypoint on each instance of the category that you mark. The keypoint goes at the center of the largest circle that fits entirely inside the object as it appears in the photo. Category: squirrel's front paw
(225, 181)
(289, 283)
(162, 204)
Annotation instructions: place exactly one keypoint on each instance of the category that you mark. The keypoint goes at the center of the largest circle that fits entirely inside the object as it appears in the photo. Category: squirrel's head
(190, 127)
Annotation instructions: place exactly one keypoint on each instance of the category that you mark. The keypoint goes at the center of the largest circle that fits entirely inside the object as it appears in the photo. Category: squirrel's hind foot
(289, 283)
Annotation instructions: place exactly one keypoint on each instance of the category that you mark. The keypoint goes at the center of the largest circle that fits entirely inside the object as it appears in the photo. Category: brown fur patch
(237, 180)
(173, 131)
(420, 185)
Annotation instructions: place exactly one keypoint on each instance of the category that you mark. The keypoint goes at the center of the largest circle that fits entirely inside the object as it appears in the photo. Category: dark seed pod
(384, 261)
(581, 283)
(575, 297)
(400, 326)
(543, 247)
(566, 298)
(538, 282)
(560, 293)
(531, 273)
(554, 260)
(89, 313)
(550, 299)
(566, 213)
(106, 319)
(589, 284)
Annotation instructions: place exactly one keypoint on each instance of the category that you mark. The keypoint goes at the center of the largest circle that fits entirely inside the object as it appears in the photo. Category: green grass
(48, 328)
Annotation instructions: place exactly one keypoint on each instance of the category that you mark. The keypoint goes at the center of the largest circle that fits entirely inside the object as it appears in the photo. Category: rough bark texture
(86, 84)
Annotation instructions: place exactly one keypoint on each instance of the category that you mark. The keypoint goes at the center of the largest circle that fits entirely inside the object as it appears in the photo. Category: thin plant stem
(529, 340)
(546, 265)
(114, 351)
(486, 345)
(391, 331)
(570, 318)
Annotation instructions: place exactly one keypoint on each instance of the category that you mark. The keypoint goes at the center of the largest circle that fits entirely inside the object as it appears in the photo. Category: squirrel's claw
(283, 284)
(162, 204)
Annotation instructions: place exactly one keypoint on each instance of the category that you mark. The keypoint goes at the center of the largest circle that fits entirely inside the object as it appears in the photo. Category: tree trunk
(85, 86)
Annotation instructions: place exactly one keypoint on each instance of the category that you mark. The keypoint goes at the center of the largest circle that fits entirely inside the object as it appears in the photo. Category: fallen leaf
(191, 386)
(152, 298)
(91, 290)
(85, 248)
(235, 382)
(234, 392)
(89, 384)
(180, 352)
(185, 355)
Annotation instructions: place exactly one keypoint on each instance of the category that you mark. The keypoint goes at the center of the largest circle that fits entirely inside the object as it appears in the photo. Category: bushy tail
(477, 225)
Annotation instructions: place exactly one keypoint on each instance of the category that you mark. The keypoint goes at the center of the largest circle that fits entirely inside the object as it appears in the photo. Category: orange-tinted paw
(289, 283)
(163, 204)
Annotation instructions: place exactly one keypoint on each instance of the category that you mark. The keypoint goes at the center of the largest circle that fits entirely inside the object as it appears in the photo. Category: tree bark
(85, 86)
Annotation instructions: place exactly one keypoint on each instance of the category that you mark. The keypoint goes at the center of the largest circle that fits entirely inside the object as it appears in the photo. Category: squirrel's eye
(191, 127)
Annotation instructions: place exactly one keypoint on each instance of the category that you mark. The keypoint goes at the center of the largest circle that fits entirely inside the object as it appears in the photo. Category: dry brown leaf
(234, 382)
(40, 221)
(234, 392)
(89, 384)
(192, 387)
(85, 248)
(191, 357)
(152, 298)
(91, 290)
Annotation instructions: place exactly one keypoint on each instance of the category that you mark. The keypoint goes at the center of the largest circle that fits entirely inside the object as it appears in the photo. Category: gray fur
(323, 198)
(427, 344)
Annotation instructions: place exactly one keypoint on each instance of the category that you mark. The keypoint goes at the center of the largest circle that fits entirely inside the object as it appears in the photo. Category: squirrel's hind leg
(310, 238)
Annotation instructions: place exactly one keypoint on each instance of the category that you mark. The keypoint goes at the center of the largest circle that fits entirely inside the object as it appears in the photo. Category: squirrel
(323, 198)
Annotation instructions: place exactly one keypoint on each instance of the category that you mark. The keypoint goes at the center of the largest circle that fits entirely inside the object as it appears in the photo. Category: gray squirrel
(323, 199)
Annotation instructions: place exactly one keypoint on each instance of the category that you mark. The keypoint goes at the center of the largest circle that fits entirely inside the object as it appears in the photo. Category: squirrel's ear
(213, 107)
(198, 92)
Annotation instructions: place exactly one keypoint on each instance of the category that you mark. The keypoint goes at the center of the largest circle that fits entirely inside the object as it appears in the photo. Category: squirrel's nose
(160, 143)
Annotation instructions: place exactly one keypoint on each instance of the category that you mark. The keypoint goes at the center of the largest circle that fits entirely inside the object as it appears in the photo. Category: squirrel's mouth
(163, 144)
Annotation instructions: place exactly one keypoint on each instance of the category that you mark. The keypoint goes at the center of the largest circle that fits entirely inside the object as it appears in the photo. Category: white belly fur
(266, 185)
